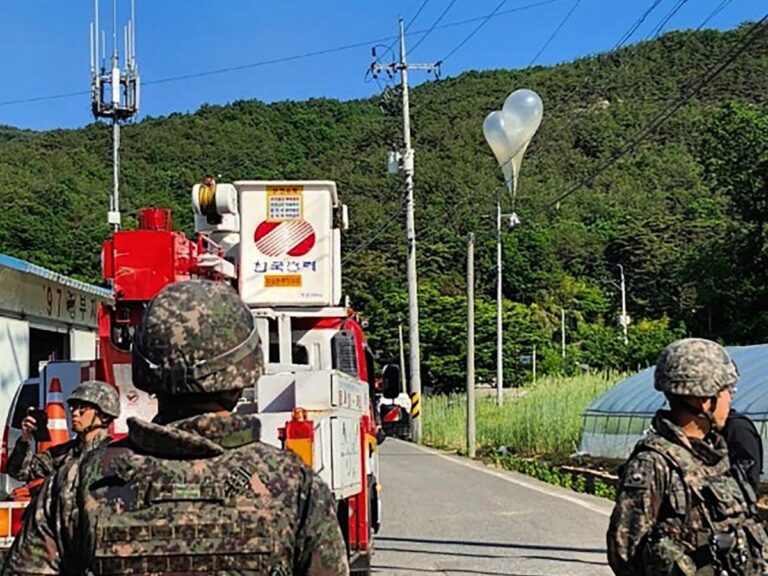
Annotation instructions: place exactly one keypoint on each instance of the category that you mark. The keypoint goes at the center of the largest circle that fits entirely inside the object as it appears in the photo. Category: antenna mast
(114, 92)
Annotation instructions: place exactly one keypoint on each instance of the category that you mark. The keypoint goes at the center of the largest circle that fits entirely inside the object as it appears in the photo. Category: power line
(494, 14)
(636, 25)
(272, 61)
(285, 59)
(719, 8)
(423, 4)
(624, 38)
(217, 71)
(410, 22)
(436, 22)
(45, 98)
(555, 33)
(687, 93)
(667, 17)
(371, 239)
(475, 31)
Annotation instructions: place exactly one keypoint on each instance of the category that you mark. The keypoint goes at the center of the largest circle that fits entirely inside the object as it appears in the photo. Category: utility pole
(562, 330)
(471, 346)
(403, 378)
(512, 221)
(408, 168)
(121, 101)
(624, 319)
(499, 311)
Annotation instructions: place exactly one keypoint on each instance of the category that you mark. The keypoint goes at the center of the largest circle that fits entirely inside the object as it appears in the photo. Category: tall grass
(541, 419)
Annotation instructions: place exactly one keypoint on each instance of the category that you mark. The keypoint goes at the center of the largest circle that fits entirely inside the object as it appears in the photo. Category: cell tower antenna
(114, 92)
(114, 33)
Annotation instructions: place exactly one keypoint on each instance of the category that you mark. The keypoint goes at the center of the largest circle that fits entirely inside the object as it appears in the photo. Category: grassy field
(540, 420)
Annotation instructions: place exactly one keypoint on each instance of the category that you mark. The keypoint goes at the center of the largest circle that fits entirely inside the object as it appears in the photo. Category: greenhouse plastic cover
(618, 418)
(636, 394)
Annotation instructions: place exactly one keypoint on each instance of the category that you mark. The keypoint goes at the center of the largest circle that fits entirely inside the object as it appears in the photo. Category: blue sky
(44, 45)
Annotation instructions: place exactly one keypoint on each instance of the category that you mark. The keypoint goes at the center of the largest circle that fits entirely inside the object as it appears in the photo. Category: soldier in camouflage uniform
(679, 510)
(94, 405)
(193, 491)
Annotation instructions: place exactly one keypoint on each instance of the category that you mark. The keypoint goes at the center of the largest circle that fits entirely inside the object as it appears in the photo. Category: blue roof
(29, 268)
(636, 396)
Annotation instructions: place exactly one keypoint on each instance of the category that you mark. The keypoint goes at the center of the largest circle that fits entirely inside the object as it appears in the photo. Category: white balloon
(509, 131)
(527, 109)
(495, 131)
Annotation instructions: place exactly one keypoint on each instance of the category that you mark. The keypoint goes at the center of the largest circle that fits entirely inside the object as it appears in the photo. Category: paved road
(447, 515)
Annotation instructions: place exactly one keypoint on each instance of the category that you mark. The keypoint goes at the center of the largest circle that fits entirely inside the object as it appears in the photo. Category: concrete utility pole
(408, 169)
(403, 379)
(471, 346)
(562, 330)
(499, 311)
(624, 319)
(512, 221)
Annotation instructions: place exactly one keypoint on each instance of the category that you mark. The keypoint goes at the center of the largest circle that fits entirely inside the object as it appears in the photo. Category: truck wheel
(374, 520)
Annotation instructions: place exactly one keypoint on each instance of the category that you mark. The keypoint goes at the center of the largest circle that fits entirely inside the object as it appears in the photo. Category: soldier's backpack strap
(305, 508)
(720, 548)
(669, 451)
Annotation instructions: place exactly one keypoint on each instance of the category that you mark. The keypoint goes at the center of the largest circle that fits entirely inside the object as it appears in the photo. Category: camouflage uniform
(200, 494)
(25, 465)
(678, 508)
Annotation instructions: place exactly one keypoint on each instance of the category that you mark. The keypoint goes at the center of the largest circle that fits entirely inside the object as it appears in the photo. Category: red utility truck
(279, 244)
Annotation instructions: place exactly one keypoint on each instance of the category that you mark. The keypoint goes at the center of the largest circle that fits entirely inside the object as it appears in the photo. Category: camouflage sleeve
(638, 500)
(37, 549)
(320, 547)
(29, 466)
(41, 465)
(19, 459)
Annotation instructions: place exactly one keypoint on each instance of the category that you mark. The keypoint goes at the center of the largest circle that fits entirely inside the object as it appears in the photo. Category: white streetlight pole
(624, 319)
(499, 306)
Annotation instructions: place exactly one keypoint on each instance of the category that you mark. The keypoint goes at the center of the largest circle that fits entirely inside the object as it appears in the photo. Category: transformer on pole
(114, 91)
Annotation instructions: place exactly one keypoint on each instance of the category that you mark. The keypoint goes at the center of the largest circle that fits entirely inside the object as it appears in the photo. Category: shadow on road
(561, 559)
(384, 539)
(410, 570)
(433, 552)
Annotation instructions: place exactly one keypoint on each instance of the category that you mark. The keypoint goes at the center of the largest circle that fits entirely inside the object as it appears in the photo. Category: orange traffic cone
(57, 417)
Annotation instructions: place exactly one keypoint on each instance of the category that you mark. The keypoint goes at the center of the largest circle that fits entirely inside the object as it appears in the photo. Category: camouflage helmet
(100, 394)
(196, 337)
(694, 367)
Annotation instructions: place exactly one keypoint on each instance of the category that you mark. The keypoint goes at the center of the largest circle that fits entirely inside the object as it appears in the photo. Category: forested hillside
(684, 212)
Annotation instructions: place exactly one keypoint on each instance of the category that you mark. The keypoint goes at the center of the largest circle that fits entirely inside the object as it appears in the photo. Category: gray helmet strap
(699, 413)
(106, 420)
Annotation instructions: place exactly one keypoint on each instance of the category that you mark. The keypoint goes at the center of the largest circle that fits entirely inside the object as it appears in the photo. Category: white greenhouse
(618, 419)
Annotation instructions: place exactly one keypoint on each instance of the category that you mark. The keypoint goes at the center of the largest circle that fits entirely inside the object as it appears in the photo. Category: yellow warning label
(415, 405)
(285, 203)
(282, 281)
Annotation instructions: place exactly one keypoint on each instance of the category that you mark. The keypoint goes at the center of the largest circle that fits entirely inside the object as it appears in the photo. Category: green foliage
(529, 433)
(601, 345)
(541, 419)
(684, 212)
(604, 490)
(552, 474)
(732, 278)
